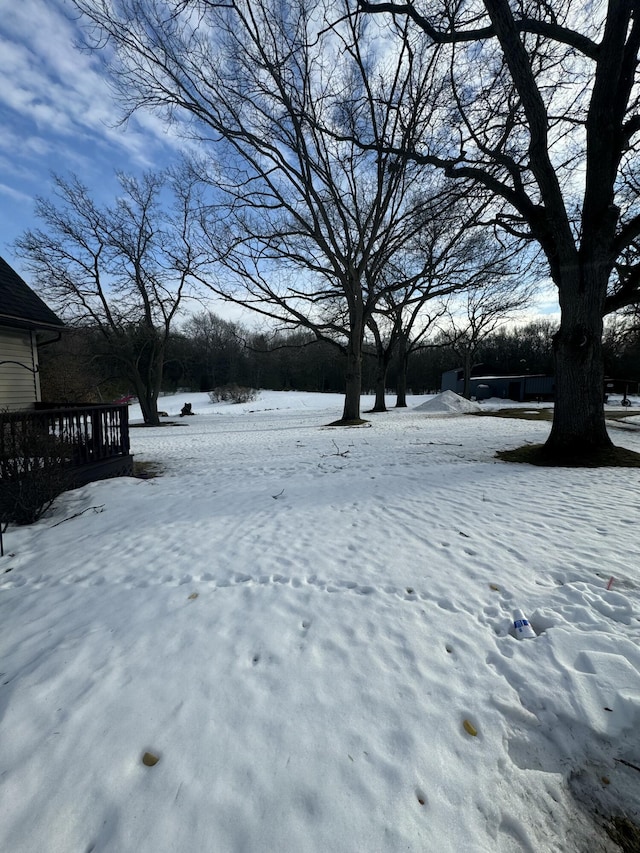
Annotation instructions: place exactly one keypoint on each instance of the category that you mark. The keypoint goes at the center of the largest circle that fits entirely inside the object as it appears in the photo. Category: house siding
(19, 381)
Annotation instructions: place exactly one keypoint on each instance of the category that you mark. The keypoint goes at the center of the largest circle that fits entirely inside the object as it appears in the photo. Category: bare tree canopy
(278, 95)
(539, 109)
(455, 257)
(124, 269)
(476, 314)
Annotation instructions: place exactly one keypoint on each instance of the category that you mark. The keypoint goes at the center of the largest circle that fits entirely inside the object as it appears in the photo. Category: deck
(79, 443)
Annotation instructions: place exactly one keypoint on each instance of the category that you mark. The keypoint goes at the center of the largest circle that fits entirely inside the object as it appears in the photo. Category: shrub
(33, 470)
(232, 394)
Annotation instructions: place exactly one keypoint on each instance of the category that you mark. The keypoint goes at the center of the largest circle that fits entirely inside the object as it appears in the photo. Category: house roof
(20, 306)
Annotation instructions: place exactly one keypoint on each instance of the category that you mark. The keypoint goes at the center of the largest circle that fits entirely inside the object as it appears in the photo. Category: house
(44, 444)
(25, 321)
(522, 388)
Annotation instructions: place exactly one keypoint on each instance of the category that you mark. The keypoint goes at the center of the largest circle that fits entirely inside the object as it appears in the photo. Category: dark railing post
(124, 430)
(72, 436)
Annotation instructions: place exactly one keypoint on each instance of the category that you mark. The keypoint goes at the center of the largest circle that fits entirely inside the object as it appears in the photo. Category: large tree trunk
(353, 373)
(382, 366)
(466, 388)
(148, 387)
(381, 384)
(148, 405)
(353, 385)
(578, 422)
(403, 366)
(383, 357)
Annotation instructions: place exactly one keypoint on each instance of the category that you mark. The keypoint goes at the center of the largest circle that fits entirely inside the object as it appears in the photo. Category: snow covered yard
(299, 621)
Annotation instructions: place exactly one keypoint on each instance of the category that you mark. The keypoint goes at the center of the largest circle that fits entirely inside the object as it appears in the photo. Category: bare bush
(232, 394)
(33, 470)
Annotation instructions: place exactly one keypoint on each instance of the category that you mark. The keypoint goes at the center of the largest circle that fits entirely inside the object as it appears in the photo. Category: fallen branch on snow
(77, 514)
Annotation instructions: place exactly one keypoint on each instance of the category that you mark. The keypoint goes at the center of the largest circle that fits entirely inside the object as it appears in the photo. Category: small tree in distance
(475, 315)
(124, 270)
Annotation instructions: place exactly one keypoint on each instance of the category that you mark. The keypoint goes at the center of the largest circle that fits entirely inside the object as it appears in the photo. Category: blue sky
(57, 114)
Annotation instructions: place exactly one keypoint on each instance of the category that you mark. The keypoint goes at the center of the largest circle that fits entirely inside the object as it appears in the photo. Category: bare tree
(543, 116)
(304, 221)
(455, 255)
(475, 315)
(124, 270)
(218, 344)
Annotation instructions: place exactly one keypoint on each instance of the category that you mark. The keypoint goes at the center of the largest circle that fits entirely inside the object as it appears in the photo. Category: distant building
(520, 388)
(621, 386)
(25, 321)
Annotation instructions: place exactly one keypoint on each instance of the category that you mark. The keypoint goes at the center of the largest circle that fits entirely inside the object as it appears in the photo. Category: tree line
(207, 352)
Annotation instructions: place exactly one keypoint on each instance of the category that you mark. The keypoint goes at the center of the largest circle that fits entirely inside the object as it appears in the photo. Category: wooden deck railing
(71, 437)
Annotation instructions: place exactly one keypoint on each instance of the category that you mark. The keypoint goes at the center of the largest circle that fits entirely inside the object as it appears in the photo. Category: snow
(448, 402)
(298, 620)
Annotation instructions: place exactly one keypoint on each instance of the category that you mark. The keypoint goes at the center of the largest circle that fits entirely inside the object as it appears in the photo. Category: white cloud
(15, 195)
(62, 90)
(544, 305)
(546, 300)
(58, 114)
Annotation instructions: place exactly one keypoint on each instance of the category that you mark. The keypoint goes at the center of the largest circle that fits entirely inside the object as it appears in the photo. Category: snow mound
(448, 402)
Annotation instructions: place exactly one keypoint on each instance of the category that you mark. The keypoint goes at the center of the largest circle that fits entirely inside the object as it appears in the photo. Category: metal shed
(521, 388)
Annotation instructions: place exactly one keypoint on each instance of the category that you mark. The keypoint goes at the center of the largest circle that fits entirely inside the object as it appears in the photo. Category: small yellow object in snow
(193, 595)
(494, 587)
(469, 728)
(149, 759)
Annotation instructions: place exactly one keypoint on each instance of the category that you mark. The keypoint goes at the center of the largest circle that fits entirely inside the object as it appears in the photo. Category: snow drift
(448, 403)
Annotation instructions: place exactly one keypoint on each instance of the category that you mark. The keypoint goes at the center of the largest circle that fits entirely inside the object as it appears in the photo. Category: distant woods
(207, 352)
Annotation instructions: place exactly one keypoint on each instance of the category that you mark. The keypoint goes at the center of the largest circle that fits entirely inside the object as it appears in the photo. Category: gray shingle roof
(20, 306)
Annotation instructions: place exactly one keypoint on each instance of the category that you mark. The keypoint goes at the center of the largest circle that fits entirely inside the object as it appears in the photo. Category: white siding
(19, 386)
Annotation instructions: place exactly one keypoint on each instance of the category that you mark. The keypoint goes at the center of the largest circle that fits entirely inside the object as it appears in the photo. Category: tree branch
(553, 31)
